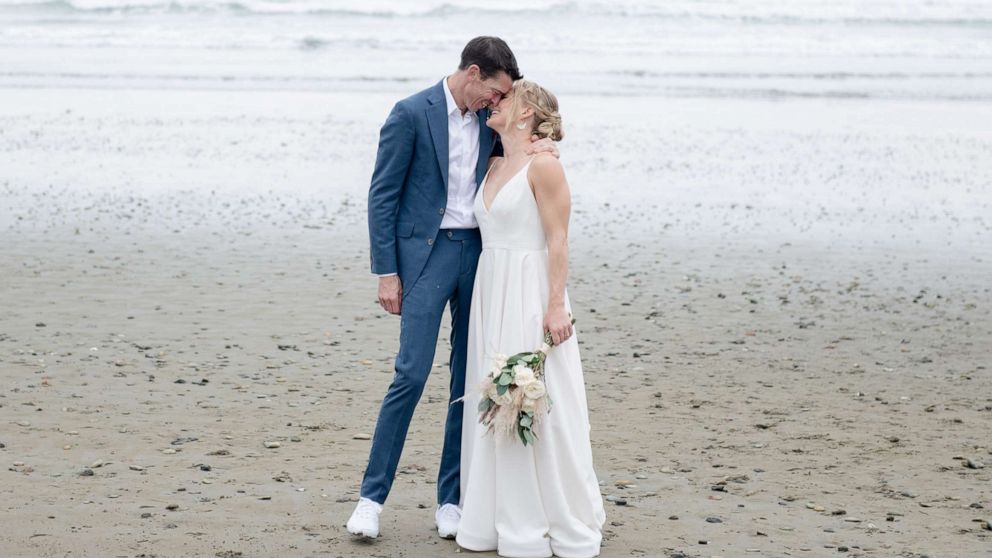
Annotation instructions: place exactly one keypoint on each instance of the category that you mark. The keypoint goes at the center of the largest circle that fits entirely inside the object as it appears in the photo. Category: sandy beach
(783, 308)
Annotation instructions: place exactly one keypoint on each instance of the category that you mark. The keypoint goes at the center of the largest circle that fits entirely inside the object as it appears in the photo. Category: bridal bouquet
(515, 398)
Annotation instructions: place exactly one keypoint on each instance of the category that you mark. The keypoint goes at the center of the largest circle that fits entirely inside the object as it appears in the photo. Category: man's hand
(390, 293)
(542, 145)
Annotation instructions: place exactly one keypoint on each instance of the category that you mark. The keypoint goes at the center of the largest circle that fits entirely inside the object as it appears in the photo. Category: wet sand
(783, 308)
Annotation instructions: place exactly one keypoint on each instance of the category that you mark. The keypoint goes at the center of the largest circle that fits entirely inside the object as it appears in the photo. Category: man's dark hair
(492, 55)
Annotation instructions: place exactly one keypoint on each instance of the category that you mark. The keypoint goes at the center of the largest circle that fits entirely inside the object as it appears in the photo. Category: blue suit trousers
(447, 279)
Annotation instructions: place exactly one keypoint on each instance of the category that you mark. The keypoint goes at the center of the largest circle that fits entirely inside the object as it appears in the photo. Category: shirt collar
(450, 101)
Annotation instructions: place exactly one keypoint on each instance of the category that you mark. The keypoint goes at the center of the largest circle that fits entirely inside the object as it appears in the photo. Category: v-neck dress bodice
(512, 221)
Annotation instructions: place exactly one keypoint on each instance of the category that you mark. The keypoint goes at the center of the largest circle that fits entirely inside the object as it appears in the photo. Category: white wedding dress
(535, 500)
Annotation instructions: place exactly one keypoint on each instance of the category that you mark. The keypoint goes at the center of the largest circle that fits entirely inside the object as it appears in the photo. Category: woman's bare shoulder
(545, 168)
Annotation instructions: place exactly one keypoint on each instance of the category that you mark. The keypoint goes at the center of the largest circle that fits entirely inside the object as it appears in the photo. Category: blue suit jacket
(409, 189)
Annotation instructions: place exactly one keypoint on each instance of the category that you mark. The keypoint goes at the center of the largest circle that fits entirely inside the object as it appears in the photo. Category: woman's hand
(559, 323)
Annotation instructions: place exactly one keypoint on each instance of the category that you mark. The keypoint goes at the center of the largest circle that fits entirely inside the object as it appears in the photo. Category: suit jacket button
(441, 211)
(430, 242)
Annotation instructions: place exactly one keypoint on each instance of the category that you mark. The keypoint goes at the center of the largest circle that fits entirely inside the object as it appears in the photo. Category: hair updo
(547, 121)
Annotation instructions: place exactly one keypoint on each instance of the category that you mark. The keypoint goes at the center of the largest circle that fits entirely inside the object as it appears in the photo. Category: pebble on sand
(973, 463)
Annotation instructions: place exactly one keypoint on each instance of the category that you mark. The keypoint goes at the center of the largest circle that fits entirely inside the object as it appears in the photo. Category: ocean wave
(359, 83)
(836, 76)
(379, 9)
(919, 13)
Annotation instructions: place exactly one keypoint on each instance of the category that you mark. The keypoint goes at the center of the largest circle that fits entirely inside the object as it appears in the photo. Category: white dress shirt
(463, 155)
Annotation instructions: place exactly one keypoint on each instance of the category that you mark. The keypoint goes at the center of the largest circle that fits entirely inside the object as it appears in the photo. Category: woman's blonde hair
(547, 121)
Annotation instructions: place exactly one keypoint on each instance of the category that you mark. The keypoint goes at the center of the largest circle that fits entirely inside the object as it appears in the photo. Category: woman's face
(501, 112)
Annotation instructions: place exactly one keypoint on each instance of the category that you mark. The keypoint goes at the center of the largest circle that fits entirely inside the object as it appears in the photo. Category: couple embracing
(469, 208)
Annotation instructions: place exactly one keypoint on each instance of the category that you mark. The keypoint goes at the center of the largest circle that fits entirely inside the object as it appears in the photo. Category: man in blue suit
(425, 244)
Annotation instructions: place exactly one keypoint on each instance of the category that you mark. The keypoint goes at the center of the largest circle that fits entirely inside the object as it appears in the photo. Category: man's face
(484, 93)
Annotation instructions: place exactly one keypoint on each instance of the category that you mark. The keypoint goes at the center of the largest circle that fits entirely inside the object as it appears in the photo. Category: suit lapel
(437, 120)
(485, 147)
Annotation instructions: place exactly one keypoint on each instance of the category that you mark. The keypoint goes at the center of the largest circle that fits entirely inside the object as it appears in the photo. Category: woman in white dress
(542, 499)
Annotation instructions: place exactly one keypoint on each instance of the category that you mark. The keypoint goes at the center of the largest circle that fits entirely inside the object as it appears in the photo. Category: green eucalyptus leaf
(528, 436)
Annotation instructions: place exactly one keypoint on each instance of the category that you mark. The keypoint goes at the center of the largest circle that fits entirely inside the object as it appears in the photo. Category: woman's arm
(554, 202)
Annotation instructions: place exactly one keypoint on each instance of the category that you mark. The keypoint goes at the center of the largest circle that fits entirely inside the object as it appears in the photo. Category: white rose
(522, 375)
(534, 390)
(529, 405)
(491, 391)
(500, 360)
(504, 399)
(496, 371)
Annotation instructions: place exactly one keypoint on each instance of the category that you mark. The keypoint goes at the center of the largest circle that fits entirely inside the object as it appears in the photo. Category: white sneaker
(364, 520)
(447, 518)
